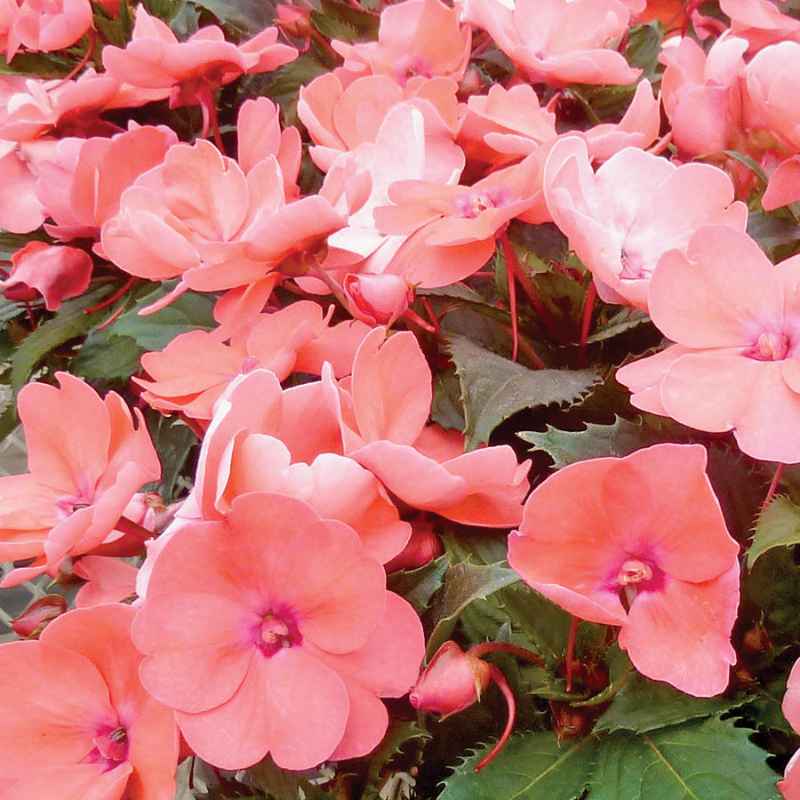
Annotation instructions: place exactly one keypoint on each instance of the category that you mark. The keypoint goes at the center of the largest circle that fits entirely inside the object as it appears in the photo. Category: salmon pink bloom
(293, 637)
(383, 416)
(735, 365)
(53, 272)
(341, 116)
(790, 785)
(108, 580)
(415, 38)
(760, 22)
(645, 548)
(195, 367)
(44, 26)
(558, 41)
(21, 211)
(81, 184)
(192, 70)
(86, 461)
(784, 185)
(79, 719)
(621, 236)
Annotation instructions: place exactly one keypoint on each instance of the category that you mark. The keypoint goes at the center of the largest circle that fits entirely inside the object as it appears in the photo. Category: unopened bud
(377, 299)
(293, 21)
(35, 618)
(423, 546)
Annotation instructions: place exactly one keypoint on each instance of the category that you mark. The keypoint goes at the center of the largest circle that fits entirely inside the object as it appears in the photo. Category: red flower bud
(35, 618)
(293, 21)
(423, 546)
(377, 299)
(452, 682)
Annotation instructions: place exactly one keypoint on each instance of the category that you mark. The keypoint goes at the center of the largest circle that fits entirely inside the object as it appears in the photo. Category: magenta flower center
(633, 265)
(471, 204)
(633, 572)
(770, 347)
(248, 364)
(110, 747)
(278, 630)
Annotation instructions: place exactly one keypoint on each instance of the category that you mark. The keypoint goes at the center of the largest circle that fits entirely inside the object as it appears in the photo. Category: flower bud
(452, 682)
(423, 546)
(35, 618)
(377, 299)
(293, 21)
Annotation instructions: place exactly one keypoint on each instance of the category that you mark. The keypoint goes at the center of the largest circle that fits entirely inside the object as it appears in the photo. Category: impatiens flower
(760, 22)
(383, 415)
(790, 785)
(194, 69)
(377, 299)
(81, 183)
(77, 717)
(339, 116)
(558, 41)
(639, 542)
(53, 272)
(44, 25)
(702, 94)
(735, 366)
(195, 367)
(272, 632)
(416, 37)
(86, 460)
(21, 211)
(108, 580)
(621, 235)
(784, 185)
(38, 615)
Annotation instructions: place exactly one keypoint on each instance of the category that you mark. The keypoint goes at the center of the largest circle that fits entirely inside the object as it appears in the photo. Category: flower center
(471, 204)
(111, 747)
(770, 347)
(634, 576)
(633, 572)
(248, 364)
(278, 631)
(633, 266)
(65, 506)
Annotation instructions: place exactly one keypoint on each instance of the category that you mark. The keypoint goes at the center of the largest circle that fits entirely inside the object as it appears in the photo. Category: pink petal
(109, 580)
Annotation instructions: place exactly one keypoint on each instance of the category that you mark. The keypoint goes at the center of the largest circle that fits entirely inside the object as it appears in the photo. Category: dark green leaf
(399, 734)
(39, 65)
(446, 409)
(281, 784)
(338, 20)
(419, 585)
(173, 442)
(621, 322)
(707, 760)
(773, 586)
(463, 584)
(771, 231)
(765, 707)
(9, 310)
(107, 357)
(778, 526)
(248, 17)
(644, 47)
(533, 766)
(494, 388)
(750, 163)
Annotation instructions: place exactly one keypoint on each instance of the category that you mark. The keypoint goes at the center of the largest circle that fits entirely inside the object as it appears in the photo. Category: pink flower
(733, 316)
(54, 272)
(452, 682)
(44, 25)
(78, 718)
(383, 417)
(108, 580)
(558, 41)
(9, 9)
(38, 615)
(293, 637)
(702, 94)
(340, 116)
(21, 211)
(86, 461)
(790, 785)
(646, 549)
(784, 185)
(760, 22)
(416, 37)
(194, 369)
(621, 236)
(192, 70)
(377, 299)
(81, 184)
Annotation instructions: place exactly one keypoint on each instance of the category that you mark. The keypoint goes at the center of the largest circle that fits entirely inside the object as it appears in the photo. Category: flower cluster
(263, 335)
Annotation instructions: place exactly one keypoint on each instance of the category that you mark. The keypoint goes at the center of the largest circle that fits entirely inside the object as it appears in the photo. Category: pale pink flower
(86, 460)
(53, 272)
(77, 717)
(646, 549)
(294, 638)
(735, 365)
(558, 41)
(621, 235)
(21, 211)
(760, 22)
(108, 580)
(47, 25)
(415, 38)
(790, 785)
(377, 299)
(784, 185)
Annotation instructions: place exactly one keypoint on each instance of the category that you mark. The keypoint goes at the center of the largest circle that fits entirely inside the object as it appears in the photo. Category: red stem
(773, 487)
(512, 307)
(589, 300)
(485, 648)
(82, 63)
(570, 656)
(502, 685)
(426, 304)
(131, 543)
(111, 299)
(416, 319)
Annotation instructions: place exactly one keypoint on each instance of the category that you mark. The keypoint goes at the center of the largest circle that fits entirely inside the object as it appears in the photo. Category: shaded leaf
(750, 163)
(464, 583)
(248, 17)
(399, 734)
(620, 438)
(771, 231)
(446, 409)
(338, 20)
(419, 585)
(281, 784)
(778, 525)
(765, 706)
(174, 442)
(494, 388)
(707, 760)
(106, 357)
(773, 586)
(531, 767)
(644, 47)
(621, 322)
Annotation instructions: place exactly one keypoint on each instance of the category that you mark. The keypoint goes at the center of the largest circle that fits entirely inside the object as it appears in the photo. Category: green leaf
(281, 784)
(771, 231)
(773, 586)
(750, 163)
(419, 585)
(191, 311)
(642, 705)
(707, 760)
(621, 322)
(533, 766)
(644, 47)
(399, 734)
(338, 20)
(104, 357)
(68, 323)
(247, 17)
(596, 441)
(464, 583)
(494, 388)
(765, 707)
(778, 526)
(9, 310)
(174, 442)
(39, 65)
(446, 409)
